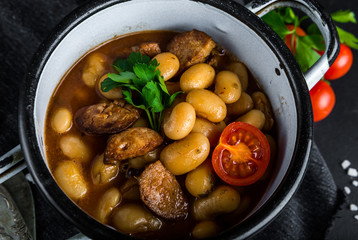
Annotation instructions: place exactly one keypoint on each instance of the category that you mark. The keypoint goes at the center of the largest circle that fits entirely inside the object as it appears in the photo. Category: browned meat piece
(131, 143)
(150, 49)
(147, 48)
(191, 47)
(106, 118)
(161, 192)
(217, 58)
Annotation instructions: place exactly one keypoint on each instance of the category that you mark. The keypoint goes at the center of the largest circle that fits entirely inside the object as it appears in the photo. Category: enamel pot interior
(233, 27)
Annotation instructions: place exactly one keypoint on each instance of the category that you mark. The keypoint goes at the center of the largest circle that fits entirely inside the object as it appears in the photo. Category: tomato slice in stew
(242, 155)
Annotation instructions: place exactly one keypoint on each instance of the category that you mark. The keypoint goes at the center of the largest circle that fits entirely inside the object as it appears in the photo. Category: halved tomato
(242, 155)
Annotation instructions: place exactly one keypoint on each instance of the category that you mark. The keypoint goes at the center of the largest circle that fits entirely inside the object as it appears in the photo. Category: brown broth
(73, 94)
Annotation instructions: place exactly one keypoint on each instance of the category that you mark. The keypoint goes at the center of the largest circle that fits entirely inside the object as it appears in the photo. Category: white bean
(107, 202)
(180, 121)
(205, 229)
(103, 173)
(168, 64)
(254, 117)
(113, 94)
(94, 68)
(228, 86)
(133, 218)
(241, 71)
(241, 106)
(224, 199)
(198, 76)
(207, 104)
(69, 177)
(61, 120)
(73, 147)
(211, 130)
(201, 180)
(184, 155)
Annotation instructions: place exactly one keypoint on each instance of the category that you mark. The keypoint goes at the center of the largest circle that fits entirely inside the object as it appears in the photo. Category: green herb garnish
(307, 47)
(140, 74)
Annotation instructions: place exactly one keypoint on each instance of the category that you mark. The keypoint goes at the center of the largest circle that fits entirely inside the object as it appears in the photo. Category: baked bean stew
(161, 135)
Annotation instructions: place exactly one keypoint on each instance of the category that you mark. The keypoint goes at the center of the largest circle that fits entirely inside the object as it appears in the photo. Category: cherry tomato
(242, 155)
(341, 65)
(323, 100)
(290, 39)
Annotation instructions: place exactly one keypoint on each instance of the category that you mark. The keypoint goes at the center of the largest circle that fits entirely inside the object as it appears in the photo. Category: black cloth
(310, 213)
(24, 24)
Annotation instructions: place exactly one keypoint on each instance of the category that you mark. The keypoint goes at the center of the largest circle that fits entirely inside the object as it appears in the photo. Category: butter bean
(201, 180)
(113, 94)
(186, 154)
(254, 117)
(241, 71)
(168, 64)
(103, 173)
(241, 106)
(211, 130)
(227, 86)
(73, 147)
(61, 120)
(180, 122)
(94, 68)
(262, 103)
(198, 76)
(69, 177)
(224, 199)
(107, 202)
(205, 229)
(207, 104)
(133, 218)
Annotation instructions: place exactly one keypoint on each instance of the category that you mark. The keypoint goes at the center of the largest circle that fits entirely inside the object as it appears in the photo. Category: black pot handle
(320, 18)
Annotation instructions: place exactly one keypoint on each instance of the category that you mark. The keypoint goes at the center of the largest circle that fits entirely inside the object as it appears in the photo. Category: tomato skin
(341, 65)
(242, 155)
(323, 100)
(290, 39)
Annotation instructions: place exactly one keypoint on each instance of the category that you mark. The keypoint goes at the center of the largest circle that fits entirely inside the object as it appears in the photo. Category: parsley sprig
(308, 46)
(138, 74)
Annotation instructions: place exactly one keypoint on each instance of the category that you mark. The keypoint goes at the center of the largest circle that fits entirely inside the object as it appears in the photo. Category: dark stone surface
(25, 24)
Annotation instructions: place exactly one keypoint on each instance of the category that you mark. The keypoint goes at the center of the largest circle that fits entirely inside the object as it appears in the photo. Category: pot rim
(91, 227)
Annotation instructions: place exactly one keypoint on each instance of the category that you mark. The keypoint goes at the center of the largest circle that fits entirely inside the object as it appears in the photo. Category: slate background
(336, 136)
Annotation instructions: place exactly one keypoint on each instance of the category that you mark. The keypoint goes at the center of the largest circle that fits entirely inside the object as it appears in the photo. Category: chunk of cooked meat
(131, 143)
(191, 47)
(106, 118)
(161, 192)
(150, 49)
(217, 57)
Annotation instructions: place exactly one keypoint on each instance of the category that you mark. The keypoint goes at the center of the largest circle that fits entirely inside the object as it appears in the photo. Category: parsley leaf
(288, 15)
(305, 55)
(344, 16)
(347, 38)
(144, 72)
(307, 46)
(108, 84)
(314, 41)
(153, 96)
(276, 22)
(136, 57)
(140, 74)
(122, 77)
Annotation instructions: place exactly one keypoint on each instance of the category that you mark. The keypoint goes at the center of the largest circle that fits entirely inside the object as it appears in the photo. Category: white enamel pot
(237, 28)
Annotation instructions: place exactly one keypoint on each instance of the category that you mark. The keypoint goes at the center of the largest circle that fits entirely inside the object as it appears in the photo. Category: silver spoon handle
(11, 163)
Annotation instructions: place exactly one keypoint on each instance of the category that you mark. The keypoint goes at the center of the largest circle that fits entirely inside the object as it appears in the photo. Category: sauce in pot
(108, 190)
